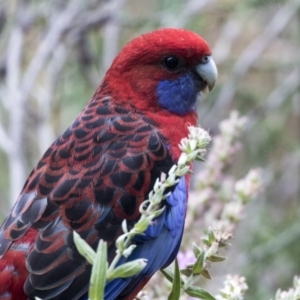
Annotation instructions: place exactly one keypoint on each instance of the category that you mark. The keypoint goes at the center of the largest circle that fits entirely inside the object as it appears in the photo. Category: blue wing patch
(159, 245)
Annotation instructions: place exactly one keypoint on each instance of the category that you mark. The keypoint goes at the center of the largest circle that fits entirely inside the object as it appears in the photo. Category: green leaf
(187, 272)
(98, 277)
(84, 248)
(211, 236)
(121, 241)
(216, 258)
(158, 212)
(206, 274)
(128, 269)
(197, 250)
(142, 225)
(199, 264)
(176, 287)
(127, 252)
(199, 293)
(169, 275)
(206, 242)
(200, 158)
(224, 244)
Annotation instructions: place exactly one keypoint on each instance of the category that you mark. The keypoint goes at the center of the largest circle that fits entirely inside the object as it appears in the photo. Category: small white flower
(234, 288)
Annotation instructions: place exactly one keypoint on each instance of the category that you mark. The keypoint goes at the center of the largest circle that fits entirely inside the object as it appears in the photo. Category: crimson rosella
(100, 170)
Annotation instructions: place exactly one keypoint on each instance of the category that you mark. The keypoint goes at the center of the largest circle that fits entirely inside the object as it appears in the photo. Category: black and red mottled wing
(91, 178)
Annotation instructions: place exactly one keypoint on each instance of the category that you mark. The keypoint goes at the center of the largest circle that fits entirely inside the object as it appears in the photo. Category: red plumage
(101, 169)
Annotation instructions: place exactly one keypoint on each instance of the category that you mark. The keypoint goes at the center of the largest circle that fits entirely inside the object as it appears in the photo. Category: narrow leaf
(200, 158)
(176, 287)
(128, 269)
(84, 248)
(199, 293)
(168, 274)
(205, 242)
(206, 274)
(196, 249)
(211, 236)
(158, 212)
(98, 277)
(142, 225)
(187, 272)
(199, 264)
(216, 258)
(224, 244)
(126, 253)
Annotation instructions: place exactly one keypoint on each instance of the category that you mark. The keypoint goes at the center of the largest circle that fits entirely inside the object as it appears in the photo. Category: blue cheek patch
(178, 96)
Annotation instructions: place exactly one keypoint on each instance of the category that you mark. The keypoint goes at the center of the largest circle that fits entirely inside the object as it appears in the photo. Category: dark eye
(205, 59)
(171, 62)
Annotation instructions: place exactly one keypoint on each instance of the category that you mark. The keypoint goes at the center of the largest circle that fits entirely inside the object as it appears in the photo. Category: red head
(162, 70)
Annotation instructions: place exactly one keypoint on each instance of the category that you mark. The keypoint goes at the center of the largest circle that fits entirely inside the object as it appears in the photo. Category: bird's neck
(174, 128)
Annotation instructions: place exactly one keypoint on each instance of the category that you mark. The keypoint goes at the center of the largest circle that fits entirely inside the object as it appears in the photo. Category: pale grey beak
(208, 71)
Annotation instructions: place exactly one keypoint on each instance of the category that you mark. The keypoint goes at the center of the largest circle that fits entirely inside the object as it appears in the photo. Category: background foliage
(53, 55)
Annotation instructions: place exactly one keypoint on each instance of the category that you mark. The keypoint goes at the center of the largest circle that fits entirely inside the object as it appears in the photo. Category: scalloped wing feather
(91, 178)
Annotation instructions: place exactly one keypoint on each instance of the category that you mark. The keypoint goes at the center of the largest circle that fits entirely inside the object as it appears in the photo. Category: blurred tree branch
(251, 55)
(190, 8)
(44, 95)
(67, 21)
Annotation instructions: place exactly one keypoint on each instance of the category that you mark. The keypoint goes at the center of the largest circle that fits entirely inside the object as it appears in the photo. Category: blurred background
(53, 55)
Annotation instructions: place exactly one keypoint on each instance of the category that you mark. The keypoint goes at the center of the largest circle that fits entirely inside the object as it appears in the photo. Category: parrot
(100, 170)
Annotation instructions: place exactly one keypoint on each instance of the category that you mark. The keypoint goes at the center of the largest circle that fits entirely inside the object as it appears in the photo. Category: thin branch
(5, 141)
(14, 54)
(250, 56)
(288, 87)
(59, 25)
(229, 33)
(271, 247)
(44, 95)
(15, 155)
(277, 97)
(190, 9)
(108, 16)
(3, 18)
(98, 17)
(111, 44)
